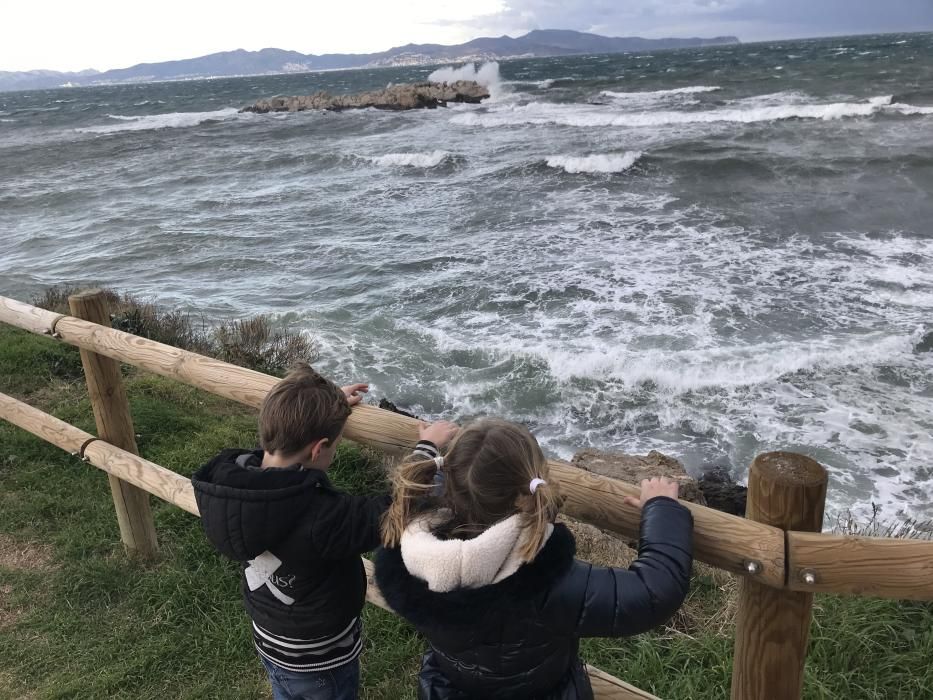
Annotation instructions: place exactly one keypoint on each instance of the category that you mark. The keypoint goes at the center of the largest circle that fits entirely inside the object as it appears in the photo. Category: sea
(710, 252)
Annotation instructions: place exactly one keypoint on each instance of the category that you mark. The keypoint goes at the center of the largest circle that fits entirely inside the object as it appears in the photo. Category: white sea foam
(677, 373)
(910, 109)
(595, 116)
(773, 99)
(540, 84)
(655, 94)
(596, 163)
(173, 120)
(416, 160)
(625, 335)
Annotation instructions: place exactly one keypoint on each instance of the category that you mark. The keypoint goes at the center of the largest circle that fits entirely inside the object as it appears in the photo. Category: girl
(476, 563)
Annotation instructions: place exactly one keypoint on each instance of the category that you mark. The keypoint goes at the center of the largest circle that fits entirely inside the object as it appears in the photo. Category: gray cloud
(749, 19)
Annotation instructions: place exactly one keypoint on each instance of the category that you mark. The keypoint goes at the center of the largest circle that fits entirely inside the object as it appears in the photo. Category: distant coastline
(272, 61)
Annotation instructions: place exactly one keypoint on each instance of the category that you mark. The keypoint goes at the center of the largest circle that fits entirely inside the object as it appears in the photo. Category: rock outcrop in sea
(394, 97)
(722, 492)
(715, 488)
(633, 468)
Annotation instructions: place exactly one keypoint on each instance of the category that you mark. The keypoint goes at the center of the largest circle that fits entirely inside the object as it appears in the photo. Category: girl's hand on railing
(652, 488)
(440, 433)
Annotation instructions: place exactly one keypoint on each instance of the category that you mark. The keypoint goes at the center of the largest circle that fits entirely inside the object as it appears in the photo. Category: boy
(299, 539)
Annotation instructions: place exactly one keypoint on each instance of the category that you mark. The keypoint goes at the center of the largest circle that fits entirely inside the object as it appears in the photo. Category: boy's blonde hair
(302, 408)
(487, 473)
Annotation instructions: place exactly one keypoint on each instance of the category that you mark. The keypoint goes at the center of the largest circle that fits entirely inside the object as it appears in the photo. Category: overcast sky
(103, 34)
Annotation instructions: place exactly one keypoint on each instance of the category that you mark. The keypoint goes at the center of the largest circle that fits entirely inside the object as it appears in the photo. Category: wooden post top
(86, 294)
(789, 468)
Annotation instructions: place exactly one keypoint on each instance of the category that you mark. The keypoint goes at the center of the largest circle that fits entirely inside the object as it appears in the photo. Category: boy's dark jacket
(317, 531)
(518, 638)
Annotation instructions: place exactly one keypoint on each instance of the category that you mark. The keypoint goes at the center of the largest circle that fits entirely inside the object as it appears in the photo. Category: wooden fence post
(788, 491)
(115, 425)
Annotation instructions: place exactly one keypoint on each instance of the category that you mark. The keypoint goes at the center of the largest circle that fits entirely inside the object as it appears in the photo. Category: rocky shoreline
(394, 97)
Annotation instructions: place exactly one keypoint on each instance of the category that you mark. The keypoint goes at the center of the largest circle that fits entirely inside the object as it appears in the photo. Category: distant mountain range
(542, 42)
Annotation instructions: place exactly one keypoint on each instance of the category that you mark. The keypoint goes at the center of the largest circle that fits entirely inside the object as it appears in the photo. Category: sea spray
(487, 75)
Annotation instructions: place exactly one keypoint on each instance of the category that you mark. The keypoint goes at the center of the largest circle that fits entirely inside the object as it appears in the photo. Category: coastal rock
(722, 493)
(633, 468)
(387, 405)
(394, 97)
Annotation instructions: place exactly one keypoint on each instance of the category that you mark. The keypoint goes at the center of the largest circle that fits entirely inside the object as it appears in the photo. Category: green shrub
(256, 342)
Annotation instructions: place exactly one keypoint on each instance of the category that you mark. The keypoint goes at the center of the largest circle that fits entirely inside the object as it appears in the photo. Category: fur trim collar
(447, 565)
(411, 597)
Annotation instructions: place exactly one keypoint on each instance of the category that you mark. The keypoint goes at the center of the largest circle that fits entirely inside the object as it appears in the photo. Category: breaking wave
(540, 84)
(596, 163)
(172, 120)
(416, 160)
(487, 74)
(595, 116)
(653, 94)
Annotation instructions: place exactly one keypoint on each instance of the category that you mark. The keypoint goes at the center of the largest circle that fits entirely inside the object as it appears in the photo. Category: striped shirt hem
(308, 655)
(310, 668)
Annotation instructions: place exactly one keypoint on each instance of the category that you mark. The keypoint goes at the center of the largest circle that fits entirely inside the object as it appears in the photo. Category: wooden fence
(778, 549)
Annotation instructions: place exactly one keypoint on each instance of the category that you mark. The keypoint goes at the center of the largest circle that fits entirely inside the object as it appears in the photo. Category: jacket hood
(446, 565)
(246, 511)
(410, 596)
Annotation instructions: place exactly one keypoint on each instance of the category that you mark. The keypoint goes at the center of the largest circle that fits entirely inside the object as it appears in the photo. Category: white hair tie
(439, 462)
(535, 483)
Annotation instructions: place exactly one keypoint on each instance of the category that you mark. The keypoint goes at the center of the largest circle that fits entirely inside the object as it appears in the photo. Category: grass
(78, 619)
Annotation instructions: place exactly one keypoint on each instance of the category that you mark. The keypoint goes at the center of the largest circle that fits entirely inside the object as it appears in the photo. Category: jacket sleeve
(348, 525)
(622, 602)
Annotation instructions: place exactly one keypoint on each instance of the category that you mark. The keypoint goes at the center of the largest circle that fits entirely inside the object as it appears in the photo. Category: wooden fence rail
(880, 567)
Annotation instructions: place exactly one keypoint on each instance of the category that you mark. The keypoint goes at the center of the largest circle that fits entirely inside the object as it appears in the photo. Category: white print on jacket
(261, 570)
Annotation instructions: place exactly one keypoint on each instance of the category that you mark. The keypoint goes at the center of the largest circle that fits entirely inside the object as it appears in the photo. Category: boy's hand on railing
(440, 433)
(652, 488)
(353, 392)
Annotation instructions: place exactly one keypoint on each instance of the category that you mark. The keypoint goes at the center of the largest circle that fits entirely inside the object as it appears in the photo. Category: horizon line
(276, 48)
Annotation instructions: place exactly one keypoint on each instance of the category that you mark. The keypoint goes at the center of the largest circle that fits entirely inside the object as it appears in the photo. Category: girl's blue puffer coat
(518, 638)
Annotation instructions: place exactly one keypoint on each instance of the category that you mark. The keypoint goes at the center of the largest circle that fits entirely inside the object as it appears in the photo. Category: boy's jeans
(341, 683)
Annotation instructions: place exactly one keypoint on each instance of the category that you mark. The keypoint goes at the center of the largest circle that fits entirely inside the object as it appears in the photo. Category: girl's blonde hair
(487, 475)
